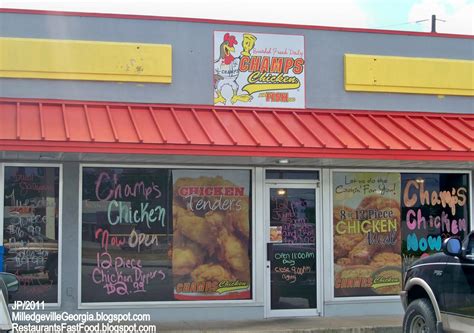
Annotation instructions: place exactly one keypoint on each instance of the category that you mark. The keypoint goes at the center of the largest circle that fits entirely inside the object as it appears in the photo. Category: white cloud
(457, 14)
(343, 13)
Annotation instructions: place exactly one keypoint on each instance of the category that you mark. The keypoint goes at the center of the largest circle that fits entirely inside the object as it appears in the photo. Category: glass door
(291, 230)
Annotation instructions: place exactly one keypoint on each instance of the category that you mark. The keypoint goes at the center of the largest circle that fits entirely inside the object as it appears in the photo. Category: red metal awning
(90, 127)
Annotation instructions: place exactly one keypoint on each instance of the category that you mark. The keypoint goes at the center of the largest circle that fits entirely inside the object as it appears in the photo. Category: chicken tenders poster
(367, 234)
(211, 254)
(263, 70)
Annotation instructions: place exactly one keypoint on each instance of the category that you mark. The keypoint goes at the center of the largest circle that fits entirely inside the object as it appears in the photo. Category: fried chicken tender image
(215, 218)
(211, 272)
(240, 218)
(233, 252)
(185, 254)
(198, 229)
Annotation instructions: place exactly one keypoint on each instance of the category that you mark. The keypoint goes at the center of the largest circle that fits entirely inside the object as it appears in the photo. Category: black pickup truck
(438, 291)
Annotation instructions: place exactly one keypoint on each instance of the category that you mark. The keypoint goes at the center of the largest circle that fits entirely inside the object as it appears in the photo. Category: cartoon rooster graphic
(226, 72)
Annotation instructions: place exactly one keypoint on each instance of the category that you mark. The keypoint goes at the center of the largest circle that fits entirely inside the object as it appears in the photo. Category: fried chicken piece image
(380, 203)
(233, 252)
(211, 272)
(196, 228)
(386, 259)
(187, 258)
(344, 243)
(361, 253)
(344, 262)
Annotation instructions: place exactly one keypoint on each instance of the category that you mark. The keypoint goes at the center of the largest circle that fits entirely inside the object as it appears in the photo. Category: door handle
(269, 251)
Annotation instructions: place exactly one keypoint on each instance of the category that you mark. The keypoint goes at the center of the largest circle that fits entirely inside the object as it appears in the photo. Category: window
(383, 221)
(31, 230)
(165, 234)
(291, 174)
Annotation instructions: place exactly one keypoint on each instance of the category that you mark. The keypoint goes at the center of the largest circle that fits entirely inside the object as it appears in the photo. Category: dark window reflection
(293, 253)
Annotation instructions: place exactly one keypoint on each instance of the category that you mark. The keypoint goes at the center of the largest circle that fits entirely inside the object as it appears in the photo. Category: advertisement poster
(367, 234)
(211, 254)
(263, 70)
(434, 207)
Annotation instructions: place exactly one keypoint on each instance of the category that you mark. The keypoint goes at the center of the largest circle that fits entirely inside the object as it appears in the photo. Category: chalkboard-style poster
(212, 240)
(31, 231)
(126, 235)
(434, 207)
(292, 216)
(293, 276)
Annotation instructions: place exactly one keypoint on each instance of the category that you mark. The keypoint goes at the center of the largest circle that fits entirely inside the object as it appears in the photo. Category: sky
(457, 15)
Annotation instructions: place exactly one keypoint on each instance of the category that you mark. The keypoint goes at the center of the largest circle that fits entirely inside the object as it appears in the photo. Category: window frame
(328, 232)
(168, 304)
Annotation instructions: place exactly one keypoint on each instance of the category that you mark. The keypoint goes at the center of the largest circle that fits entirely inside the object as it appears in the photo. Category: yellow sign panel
(85, 60)
(374, 73)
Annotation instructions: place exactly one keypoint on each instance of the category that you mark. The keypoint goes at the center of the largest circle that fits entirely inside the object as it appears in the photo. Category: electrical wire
(400, 24)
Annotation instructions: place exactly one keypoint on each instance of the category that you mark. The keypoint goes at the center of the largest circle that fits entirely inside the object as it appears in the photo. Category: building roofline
(414, 113)
(216, 21)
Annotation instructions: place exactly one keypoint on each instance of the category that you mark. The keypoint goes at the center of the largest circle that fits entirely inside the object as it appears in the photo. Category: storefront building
(212, 170)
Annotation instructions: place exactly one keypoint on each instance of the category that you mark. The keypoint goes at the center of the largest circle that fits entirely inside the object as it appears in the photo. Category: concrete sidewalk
(367, 324)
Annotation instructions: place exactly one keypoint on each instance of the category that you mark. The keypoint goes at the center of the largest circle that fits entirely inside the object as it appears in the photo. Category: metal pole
(433, 23)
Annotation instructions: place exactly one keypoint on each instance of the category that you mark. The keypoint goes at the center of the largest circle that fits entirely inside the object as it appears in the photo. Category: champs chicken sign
(262, 70)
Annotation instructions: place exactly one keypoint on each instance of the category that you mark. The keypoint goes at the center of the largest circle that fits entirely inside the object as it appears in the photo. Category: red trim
(239, 151)
(214, 21)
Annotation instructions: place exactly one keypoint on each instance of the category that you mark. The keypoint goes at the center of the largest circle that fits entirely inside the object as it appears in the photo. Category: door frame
(307, 184)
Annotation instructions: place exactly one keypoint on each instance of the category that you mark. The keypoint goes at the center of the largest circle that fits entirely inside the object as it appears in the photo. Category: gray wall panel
(70, 236)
